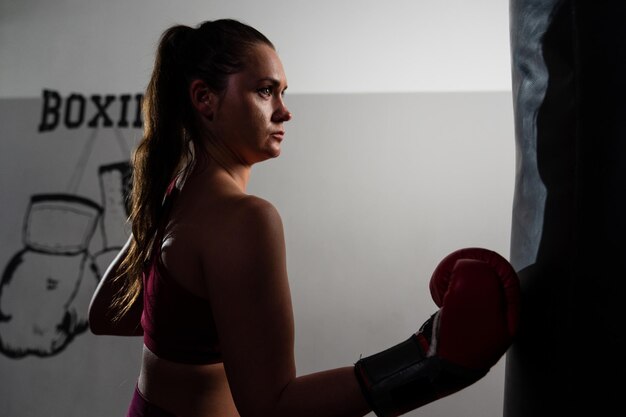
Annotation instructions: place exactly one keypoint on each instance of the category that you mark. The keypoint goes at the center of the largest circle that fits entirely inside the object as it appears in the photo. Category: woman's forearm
(100, 309)
(332, 393)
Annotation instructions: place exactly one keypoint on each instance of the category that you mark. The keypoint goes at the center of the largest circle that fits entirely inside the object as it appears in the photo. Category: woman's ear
(202, 98)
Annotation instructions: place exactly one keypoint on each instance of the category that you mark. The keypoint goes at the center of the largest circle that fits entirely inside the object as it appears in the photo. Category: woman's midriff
(187, 390)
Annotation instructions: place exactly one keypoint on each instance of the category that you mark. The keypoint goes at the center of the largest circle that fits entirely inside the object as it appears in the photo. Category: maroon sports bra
(177, 324)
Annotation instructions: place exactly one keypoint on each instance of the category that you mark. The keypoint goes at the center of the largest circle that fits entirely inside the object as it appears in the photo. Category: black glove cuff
(403, 378)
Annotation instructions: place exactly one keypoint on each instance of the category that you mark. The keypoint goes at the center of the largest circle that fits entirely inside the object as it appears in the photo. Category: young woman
(204, 276)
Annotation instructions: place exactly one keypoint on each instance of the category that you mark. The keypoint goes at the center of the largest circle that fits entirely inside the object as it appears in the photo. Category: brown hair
(212, 51)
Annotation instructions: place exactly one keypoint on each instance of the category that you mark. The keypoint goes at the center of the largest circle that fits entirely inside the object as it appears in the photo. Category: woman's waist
(189, 389)
(199, 348)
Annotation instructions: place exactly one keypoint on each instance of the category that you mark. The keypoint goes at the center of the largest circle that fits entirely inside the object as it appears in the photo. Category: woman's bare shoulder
(255, 208)
(231, 219)
(251, 220)
(248, 229)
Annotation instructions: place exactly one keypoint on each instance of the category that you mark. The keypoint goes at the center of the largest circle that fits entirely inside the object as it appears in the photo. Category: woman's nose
(282, 114)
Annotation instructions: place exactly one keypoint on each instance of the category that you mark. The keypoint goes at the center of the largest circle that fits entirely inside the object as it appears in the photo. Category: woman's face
(250, 115)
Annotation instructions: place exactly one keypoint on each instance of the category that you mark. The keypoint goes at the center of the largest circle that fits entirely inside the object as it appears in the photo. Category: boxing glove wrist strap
(407, 376)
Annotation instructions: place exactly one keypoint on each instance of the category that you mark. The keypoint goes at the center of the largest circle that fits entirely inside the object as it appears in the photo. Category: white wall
(327, 46)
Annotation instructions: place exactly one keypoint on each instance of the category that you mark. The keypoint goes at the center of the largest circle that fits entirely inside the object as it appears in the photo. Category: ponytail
(156, 160)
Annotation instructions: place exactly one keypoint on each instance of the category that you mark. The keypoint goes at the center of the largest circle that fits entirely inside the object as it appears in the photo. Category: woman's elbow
(101, 324)
(97, 324)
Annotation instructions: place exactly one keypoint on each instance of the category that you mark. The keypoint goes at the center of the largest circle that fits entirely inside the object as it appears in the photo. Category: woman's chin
(274, 151)
(271, 153)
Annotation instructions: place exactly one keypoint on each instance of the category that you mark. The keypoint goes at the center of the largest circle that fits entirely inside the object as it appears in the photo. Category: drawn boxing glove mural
(46, 287)
(115, 183)
(41, 287)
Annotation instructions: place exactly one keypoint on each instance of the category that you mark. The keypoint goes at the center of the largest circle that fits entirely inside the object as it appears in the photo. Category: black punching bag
(569, 217)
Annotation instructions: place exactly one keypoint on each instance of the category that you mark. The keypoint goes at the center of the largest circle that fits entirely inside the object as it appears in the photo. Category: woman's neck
(217, 171)
(221, 161)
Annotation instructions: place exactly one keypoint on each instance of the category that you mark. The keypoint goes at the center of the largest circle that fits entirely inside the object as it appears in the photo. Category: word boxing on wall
(72, 111)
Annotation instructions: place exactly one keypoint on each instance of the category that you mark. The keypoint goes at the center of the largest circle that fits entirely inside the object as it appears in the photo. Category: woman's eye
(265, 91)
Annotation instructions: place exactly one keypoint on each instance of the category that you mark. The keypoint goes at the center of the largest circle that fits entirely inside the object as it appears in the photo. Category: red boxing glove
(479, 296)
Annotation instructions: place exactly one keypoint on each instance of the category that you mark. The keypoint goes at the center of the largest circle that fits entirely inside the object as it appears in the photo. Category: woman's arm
(249, 293)
(100, 313)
